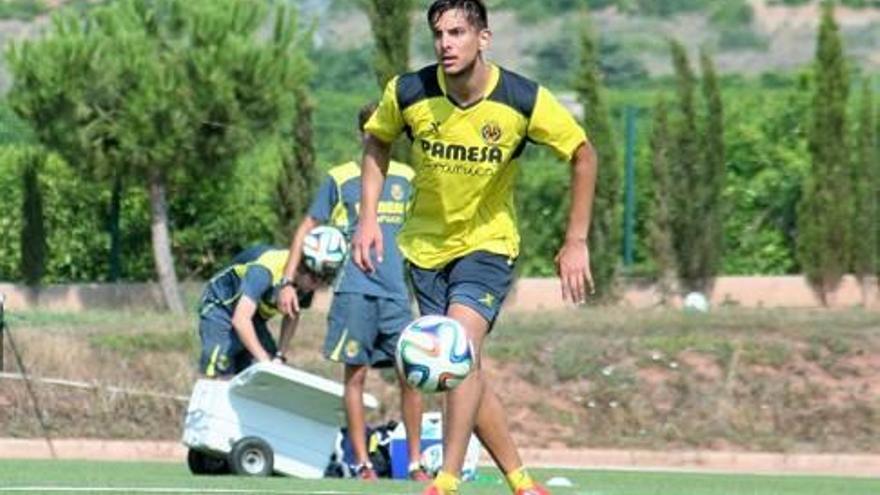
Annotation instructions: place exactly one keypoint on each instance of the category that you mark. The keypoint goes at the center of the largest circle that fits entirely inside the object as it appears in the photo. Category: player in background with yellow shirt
(469, 120)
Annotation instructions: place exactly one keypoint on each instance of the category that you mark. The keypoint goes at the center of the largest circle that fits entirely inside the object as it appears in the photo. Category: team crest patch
(223, 362)
(397, 192)
(352, 348)
(491, 132)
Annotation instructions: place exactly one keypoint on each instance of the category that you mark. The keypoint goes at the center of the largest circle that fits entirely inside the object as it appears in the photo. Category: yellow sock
(519, 479)
(447, 483)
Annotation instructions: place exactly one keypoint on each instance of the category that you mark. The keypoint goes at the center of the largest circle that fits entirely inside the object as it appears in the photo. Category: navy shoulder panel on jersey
(516, 91)
(414, 87)
(250, 254)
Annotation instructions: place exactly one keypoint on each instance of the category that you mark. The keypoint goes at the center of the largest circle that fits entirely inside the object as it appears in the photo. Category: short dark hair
(365, 113)
(474, 11)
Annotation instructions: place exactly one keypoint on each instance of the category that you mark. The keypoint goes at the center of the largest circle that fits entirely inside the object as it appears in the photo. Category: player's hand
(573, 268)
(368, 236)
(288, 303)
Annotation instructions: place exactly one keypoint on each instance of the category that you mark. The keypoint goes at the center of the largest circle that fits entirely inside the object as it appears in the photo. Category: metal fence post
(2, 329)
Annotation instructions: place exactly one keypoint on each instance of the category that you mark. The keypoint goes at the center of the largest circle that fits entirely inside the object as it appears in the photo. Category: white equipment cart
(270, 418)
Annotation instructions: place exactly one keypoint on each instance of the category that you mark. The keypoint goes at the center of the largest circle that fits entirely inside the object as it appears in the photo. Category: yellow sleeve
(387, 121)
(553, 125)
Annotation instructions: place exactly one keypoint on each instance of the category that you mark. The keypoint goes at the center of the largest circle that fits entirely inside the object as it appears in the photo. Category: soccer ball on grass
(434, 354)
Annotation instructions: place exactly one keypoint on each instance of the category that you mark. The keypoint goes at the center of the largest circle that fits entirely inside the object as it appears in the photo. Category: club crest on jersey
(491, 132)
(352, 348)
(397, 192)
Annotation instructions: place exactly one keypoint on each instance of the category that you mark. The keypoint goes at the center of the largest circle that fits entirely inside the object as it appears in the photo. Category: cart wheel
(251, 456)
(202, 463)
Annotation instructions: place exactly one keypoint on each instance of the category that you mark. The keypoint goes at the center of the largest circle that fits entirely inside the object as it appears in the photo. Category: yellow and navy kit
(465, 159)
(255, 272)
(338, 203)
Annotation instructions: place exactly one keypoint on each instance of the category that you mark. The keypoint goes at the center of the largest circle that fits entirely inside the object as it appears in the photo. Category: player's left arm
(573, 260)
(553, 125)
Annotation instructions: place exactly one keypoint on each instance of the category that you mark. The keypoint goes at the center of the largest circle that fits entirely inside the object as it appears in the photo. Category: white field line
(96, 386)
(86, 489)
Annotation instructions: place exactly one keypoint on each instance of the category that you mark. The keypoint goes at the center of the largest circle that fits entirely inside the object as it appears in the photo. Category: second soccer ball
(324, 250)
(434, 354)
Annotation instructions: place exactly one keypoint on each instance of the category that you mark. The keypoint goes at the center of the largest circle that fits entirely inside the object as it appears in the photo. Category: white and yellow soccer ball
(434, 354)
(324, 250)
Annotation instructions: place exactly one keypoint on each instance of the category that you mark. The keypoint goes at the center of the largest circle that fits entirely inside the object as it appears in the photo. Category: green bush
(220, 218)
(10, 219)
(731, 13)
(211, 220)
(71, 209)
(542, 201)
(767, 161)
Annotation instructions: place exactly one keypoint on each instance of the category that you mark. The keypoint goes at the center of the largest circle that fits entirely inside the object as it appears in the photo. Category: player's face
(457, 42)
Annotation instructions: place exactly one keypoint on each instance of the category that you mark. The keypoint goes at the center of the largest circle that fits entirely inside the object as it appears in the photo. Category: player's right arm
(319, 213)
(374, 167)
(255, 282)
(244, 326)
(381, 130)
(287, 300)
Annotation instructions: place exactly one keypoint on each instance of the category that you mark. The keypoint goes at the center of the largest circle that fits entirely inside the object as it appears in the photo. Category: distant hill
(748, 37)
(756, 37)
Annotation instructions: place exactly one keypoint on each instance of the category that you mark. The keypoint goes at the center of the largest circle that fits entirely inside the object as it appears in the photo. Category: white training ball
(324, 250)
(696, 301)
(434, 354)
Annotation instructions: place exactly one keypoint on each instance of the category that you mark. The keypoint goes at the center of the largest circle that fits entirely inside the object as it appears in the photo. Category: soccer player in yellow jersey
(468, 121)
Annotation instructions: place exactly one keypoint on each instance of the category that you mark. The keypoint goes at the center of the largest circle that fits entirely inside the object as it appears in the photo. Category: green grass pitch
(57, 477)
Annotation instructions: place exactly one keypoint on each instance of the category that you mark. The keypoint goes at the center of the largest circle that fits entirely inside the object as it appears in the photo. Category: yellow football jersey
(465, 159)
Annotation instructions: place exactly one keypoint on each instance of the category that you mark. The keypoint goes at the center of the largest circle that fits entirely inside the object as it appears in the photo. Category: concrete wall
(529, 294)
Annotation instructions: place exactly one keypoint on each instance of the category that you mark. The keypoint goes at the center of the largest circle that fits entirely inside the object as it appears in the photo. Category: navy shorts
(479, 280)
(223, 354)
(363, 330)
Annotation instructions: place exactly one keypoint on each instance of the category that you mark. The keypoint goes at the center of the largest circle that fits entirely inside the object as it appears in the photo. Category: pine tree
(297, 176)
(875, 170)
(711, 177)
(605, 229)
(865, 180)
(696, 174)
(826, 207)
(685, 185)
(34, 249)
(659, 227)
(389, 20)
(161, 92)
